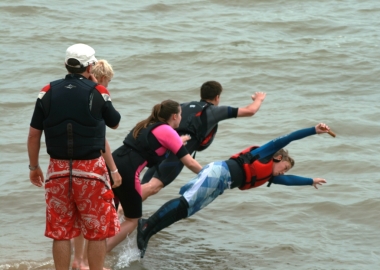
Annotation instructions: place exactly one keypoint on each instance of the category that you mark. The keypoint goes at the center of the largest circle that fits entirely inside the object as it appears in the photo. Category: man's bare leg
(61, 254)
(96, 254)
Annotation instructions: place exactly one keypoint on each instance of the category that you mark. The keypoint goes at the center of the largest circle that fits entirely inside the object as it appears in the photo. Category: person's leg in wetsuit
(171, 212)
(203, 189)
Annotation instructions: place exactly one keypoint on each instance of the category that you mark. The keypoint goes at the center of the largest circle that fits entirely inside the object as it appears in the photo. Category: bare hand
(259, 96)
(92, 78)
(322, 128)
(120, 211)
(37, 177)
(185, 138)
(116, 177)
(318, 181)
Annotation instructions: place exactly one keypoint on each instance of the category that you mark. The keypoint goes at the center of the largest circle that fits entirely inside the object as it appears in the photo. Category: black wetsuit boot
(171, 212)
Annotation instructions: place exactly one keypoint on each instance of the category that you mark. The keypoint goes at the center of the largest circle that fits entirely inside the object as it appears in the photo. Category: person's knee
(157, 189)
(152, 187)
(156, 185)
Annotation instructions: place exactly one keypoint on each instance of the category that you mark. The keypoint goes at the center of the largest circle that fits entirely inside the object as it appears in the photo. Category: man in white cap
(73, 113)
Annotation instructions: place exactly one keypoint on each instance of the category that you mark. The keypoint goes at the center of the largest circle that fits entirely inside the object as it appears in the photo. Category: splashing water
(130, 252)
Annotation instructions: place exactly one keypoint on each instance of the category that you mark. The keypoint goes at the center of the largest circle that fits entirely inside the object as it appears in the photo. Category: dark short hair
(74, 62)
(211, 89)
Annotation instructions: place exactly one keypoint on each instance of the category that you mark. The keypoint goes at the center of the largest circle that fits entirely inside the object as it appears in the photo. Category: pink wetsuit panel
(168, 138)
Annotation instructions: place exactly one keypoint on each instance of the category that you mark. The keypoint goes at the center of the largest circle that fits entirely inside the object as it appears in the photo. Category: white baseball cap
(81, 52)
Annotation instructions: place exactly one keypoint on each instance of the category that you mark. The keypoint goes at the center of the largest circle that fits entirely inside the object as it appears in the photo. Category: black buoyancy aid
(256, 172)
(146, 144)
(194, 123)
(208, 140)
(71, 132)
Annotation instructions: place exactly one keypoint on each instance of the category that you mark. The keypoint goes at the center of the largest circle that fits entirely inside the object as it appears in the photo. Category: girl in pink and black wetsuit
(147, 145)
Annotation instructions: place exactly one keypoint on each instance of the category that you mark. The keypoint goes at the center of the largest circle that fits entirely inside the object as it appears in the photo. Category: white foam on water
(129, 253)
(28, 265)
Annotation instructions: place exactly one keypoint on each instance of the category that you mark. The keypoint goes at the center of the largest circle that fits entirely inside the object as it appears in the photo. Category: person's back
(199, 120)
(73, 113)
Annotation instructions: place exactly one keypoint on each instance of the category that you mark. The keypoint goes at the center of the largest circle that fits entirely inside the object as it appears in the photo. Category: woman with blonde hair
(102, 73)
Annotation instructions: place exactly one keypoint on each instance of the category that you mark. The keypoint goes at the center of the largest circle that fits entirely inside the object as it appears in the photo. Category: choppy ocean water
(317, 61)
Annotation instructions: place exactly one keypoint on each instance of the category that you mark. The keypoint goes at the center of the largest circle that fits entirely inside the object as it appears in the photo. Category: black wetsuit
(171, 167)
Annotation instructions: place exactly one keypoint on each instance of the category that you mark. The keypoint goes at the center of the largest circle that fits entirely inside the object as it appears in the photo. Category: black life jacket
(256, 172)
(71, 132)
(146, 144)
(194, 123)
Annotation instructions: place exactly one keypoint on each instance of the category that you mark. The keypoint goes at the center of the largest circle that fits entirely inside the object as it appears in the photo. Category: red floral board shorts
(87, 207)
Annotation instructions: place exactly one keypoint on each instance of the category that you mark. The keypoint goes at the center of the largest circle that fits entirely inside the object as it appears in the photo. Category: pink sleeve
(168, 138)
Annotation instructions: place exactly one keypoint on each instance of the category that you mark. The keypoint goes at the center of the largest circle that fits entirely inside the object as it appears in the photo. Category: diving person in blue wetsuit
(248, 169)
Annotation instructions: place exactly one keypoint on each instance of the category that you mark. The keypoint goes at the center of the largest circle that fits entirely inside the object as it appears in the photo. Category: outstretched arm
(191, 163)
(273, 146)
(294, 180)
(252, 108)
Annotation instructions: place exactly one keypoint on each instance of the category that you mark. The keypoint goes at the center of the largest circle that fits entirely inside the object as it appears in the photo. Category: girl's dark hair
(160, 113)
(211, 89)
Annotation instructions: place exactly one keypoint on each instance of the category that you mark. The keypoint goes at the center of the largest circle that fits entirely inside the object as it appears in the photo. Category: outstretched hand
(92, 78)
(318, 181)
(322, 128)
(259, 96)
